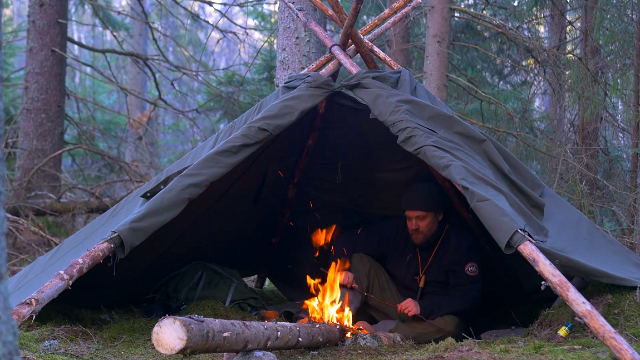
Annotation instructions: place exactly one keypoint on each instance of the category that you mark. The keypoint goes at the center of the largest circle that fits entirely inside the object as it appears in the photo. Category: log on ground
(194, 335)
(60, 208)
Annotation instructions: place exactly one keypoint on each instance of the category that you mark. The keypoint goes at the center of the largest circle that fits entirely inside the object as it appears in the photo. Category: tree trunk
(436, 52)
(397, 40)
(297, 47)
(635, 134)
(42, 127)
(195, 334)
(554, 102)
(141, 136)
(8, 331)
(590, 105)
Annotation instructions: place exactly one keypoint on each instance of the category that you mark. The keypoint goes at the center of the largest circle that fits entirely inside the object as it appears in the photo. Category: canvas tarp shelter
(220, 202)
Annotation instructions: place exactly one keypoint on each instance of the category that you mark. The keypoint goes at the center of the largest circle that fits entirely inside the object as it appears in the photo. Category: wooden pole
(62, 280)
(335, 64)
(347, 23)
(387, 14)
(327, 11)
(192, 335)
(585, 311)
(344, 59)
(283, 217)
(381, 55)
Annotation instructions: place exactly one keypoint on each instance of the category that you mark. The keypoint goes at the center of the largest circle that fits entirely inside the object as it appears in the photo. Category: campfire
(326, 306)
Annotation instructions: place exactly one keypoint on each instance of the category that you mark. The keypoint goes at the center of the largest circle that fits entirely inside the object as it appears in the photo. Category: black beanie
(425, 197)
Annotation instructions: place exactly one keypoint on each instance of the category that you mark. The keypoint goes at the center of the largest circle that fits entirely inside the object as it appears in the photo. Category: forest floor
(125, 334)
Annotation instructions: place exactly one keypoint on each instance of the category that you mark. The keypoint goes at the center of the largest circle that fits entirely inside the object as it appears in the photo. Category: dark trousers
(372, 278)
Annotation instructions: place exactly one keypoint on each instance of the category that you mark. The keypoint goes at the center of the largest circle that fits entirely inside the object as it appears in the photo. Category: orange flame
(326, 306)
(322, 237)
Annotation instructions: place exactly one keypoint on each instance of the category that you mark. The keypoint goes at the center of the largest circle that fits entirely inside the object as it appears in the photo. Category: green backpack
(201, 280)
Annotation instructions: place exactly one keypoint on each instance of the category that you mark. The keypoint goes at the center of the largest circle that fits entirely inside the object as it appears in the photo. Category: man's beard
(419, 238)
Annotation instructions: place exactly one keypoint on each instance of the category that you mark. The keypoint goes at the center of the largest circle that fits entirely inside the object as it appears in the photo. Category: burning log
(194, 334)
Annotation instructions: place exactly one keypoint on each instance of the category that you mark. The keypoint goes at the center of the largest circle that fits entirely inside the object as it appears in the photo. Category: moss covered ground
(125, 334)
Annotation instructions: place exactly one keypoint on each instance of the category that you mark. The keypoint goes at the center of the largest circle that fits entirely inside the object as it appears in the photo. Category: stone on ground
(251, 355)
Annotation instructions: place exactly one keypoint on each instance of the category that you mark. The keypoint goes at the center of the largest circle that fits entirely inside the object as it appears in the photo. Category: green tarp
(220, 202)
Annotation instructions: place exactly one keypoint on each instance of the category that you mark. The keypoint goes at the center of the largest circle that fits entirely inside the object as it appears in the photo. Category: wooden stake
(352, 51)
(388, 13)
(192, 335)
(62, 280)
(344, 59)
(585, 311)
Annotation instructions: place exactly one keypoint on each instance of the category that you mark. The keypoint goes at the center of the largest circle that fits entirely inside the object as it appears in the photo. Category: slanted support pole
(603, 330)
(365, 30)
(583, 308)
(62, 280)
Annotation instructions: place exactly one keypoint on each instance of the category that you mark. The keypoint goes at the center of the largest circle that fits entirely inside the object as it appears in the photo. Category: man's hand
(409, 307)
(346, 279)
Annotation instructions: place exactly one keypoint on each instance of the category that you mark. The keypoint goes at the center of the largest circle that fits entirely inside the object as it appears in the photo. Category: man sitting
(390, 261)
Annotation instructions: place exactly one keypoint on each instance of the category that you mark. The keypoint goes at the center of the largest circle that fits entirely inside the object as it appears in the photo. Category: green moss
(124, 334)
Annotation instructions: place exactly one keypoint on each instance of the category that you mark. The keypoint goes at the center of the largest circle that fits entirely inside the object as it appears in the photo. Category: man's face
(422, 225)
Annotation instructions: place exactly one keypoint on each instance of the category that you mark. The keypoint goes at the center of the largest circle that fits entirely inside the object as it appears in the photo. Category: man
(391, 260)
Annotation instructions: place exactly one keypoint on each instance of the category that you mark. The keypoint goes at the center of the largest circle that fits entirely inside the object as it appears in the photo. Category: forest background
(100, 95)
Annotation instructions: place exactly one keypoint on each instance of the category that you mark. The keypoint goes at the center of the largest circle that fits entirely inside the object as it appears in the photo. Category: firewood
(194, 334)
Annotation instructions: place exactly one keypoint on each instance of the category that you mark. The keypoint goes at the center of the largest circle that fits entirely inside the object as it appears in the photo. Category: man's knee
(359, 260)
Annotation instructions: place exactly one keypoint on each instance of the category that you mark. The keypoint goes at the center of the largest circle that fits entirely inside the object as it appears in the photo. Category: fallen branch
(22, 223)
(59, 208)
(195, 334)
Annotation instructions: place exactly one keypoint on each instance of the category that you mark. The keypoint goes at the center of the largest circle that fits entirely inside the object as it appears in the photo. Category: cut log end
(169, 336)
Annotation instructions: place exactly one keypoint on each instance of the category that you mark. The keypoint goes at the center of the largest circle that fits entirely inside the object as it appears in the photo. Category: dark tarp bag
(200, 280)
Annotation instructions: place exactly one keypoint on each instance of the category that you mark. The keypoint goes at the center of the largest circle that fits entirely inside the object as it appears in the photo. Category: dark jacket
(453, 283)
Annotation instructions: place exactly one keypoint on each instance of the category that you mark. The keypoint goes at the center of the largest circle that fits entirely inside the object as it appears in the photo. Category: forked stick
(347, 23)
(352, 51)
(344, 59)
(365, 30)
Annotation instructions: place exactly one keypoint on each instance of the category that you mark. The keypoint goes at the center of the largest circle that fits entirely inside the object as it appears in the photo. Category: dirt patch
(601, 302)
